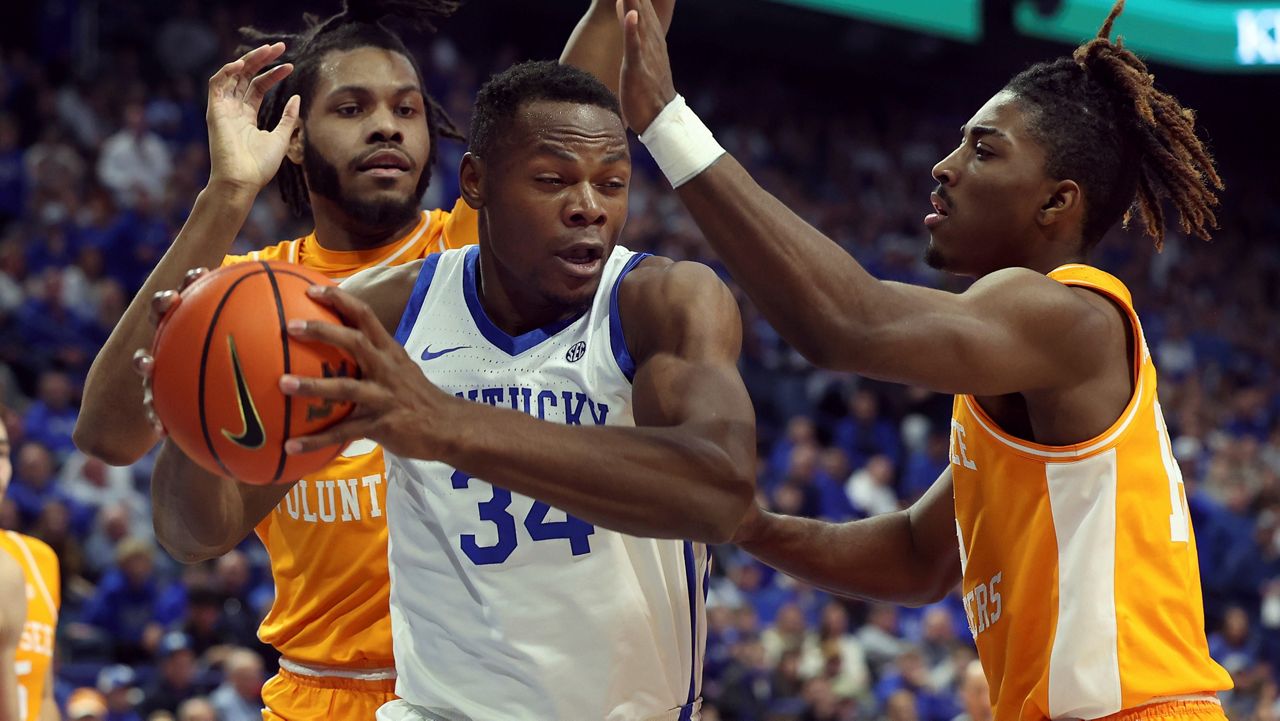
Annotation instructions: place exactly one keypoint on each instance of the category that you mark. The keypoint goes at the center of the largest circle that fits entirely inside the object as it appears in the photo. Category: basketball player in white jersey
(590, 387)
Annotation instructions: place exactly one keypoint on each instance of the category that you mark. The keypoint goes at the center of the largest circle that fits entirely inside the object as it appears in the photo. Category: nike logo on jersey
(253, 436)
(428, 355)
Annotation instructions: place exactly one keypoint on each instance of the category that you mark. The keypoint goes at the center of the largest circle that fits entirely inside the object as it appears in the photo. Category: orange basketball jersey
(1081, 582)
(328, 539)
(35, 649)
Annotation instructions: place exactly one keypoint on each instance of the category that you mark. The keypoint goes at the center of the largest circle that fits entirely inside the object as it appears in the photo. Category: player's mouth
(385, 163)
(940, 213)
(583, 259)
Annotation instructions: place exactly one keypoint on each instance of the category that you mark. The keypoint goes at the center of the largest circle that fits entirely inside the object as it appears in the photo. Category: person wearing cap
(30, 594)
(178, 677)
(118, 683)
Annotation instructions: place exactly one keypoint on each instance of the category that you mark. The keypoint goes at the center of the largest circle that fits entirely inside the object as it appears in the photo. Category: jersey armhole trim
(617, 339)
(420, 288)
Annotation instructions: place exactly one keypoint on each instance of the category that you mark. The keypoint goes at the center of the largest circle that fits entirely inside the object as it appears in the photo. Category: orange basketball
(218, 360)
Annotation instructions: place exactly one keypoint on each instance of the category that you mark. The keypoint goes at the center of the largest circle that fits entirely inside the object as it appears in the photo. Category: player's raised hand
(395, 404)
(645, 87)
(240, 154)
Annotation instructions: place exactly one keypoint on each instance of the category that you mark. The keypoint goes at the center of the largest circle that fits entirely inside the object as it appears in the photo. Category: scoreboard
(1213, 35)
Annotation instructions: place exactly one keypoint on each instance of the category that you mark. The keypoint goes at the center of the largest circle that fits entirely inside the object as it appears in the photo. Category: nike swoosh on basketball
(253, 436)
(428, 355)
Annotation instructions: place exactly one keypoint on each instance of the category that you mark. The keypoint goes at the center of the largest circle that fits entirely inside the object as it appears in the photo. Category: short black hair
(1129, 145)
(501, 97)
(360, 24)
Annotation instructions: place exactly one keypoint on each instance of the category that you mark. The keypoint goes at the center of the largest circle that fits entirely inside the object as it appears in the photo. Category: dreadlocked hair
(1128, 144)
(360, 24)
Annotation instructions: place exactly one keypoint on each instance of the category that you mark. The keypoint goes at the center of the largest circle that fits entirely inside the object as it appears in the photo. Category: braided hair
(1129, 145)
(361, 23)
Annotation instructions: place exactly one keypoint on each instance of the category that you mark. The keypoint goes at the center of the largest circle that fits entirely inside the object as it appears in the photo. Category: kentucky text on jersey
(560, 406)
(503, 606)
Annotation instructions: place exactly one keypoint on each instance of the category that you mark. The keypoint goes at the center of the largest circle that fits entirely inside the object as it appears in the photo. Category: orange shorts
(294, 697)
(1171, 711)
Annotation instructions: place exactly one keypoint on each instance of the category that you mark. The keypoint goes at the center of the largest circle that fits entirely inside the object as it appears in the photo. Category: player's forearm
(113, 424)
(676, 482)
(818, 297)
(199, 515)
(870, 559)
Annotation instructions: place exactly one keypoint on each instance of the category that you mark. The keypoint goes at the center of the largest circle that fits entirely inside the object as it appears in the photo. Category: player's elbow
(734, 494)
(98, 440)
(936, 581)
(177, 541)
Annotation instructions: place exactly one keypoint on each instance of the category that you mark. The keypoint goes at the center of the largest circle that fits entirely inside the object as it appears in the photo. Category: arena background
(841, 117)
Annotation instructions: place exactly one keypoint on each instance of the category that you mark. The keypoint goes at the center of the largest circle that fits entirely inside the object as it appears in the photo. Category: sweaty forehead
(371, 68)
(565, 123)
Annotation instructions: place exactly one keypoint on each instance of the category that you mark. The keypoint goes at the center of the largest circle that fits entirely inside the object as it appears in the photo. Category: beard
(934, 257)
(322, 178)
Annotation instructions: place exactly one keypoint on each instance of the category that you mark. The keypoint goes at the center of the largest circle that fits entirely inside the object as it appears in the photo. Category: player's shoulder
(386, 289)
(664, 302)
(12, 573)
(41, 552)
(1023, 283)
(284, 250)
(668, 283)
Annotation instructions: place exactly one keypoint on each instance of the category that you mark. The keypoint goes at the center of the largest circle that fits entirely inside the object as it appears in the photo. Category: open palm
(240, 153)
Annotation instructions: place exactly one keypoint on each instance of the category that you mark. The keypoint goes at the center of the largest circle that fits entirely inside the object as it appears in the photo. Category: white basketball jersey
(503, 607)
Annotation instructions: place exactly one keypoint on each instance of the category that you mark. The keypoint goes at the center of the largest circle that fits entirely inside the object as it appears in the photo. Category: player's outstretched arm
(687, 471)
(909, 557)
(13, 617)
(596, 44)
(1013, 331)
(112, 424)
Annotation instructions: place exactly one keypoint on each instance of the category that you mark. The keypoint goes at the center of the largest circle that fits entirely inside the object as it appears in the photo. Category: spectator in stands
(135, 163)
(118, 684)
(975, 694)
(177, 678)
(86, 704)
(133, 606)
(51, 419)
(197, 709)
(33, 484)
(239, 698)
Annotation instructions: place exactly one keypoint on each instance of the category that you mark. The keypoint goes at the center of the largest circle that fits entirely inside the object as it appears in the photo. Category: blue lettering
(492, 396)
(572, 416)
(604, 412)
(543, 397)
(525, 393)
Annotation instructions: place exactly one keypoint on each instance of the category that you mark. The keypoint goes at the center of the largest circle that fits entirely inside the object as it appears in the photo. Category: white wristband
(680, 143)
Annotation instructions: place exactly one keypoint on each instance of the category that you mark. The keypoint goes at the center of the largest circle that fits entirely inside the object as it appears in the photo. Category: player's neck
(337, 231)
(510, 305)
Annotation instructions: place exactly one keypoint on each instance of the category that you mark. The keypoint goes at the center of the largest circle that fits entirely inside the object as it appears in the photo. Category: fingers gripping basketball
(219, 356)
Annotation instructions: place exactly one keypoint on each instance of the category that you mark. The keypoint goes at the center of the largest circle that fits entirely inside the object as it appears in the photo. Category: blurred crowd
(102, 154)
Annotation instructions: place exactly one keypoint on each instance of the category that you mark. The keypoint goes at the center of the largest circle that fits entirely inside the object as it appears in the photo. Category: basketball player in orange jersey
(352, 137)
(29, 600)
(1076, 557)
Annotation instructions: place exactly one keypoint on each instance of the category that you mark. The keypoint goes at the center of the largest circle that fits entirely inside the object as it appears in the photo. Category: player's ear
(294, 151)
(471, 180)
(1065, 200)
